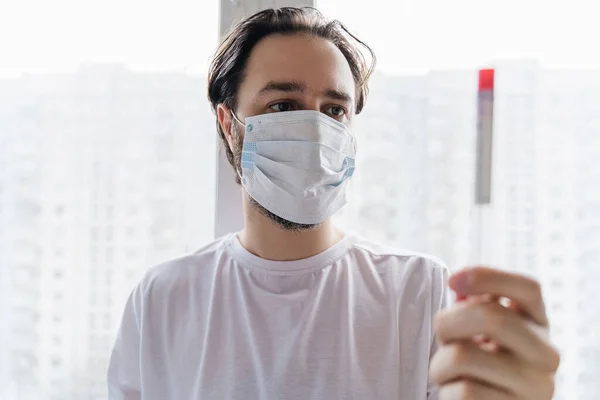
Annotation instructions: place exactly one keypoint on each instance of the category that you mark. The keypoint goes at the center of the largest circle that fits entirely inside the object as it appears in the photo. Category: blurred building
(104, 173)
(413, 185)
(569, 239)
(386, 192)
(546, 212)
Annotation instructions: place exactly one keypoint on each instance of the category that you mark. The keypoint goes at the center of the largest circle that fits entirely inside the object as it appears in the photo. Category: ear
(225, 119)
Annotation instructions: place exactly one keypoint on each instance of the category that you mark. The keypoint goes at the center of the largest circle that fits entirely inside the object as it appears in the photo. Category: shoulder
(176, 273)
(400, 260)
(411, 274)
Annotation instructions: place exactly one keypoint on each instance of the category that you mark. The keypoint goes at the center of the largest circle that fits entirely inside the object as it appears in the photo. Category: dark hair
(228, 65)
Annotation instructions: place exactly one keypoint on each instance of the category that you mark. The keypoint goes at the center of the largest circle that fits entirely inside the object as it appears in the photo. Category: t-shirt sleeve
(440, 300)
(123, 376)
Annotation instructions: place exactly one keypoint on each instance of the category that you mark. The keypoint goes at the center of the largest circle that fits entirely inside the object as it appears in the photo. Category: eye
(281, 107)
(336, 111)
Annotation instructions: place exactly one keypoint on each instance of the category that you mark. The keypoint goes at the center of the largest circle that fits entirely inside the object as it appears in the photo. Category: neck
(267, 240)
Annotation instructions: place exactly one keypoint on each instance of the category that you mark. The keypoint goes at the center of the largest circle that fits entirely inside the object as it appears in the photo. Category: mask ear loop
(237, 171)
(237, 119)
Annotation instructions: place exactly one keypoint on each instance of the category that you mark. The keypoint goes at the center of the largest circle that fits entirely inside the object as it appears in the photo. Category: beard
(276, 219)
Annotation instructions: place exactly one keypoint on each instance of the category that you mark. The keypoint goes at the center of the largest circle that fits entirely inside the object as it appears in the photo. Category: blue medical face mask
(296, 164)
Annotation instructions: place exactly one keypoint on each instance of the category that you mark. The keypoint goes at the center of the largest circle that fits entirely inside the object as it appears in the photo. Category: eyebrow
(294, 86)
(338, 95)
(291, 86)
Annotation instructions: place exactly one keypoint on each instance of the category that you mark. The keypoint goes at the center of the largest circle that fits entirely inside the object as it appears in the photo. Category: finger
(485, 343)
(525, 291)
(481, 298)
(464, 360)
(523, 338)
(470, 390)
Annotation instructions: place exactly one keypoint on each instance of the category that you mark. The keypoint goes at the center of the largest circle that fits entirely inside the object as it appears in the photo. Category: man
(293, 308)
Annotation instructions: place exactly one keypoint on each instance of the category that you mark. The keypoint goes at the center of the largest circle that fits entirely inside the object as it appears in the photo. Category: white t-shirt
(354, 322)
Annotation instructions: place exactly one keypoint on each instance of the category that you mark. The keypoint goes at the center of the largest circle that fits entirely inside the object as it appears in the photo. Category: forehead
(313, 61)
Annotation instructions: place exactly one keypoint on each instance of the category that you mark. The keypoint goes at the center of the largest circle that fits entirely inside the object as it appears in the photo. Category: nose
(312, 102)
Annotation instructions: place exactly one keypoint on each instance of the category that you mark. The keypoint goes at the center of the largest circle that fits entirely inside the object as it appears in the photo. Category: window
(107, 321)
(109, 254)
(130, 232)
(556, 261)
(556, 238)
(109, 276)
(557, 330)
(93, 297)
(91, 79)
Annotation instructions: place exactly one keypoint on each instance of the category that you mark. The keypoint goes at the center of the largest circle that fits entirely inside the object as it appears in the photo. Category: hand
(515, 360)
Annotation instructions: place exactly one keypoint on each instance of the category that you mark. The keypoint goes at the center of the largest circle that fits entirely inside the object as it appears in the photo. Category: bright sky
(407, 35)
